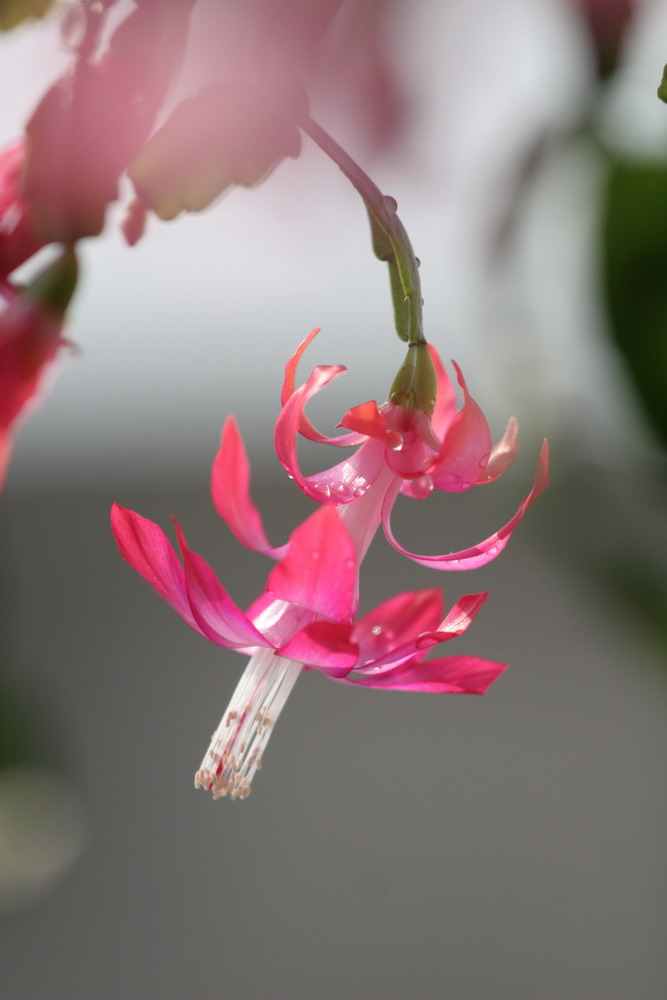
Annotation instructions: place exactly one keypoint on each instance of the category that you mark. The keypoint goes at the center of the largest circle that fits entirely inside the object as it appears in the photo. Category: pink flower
(17, 239)
(30, 336)
(303, 619)
(401, 450)
(29, 339)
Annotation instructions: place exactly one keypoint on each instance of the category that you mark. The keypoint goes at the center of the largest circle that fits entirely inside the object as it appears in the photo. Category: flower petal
(445, 399)
(325, 646)
(319, 571)
(306, 428)
(503, 454)
(230, 489)
(483, 552)
(216, 614)
(144, 545)
(449, 675)
(465, 450)
(397, 620)
(345, 481)
(367, 419)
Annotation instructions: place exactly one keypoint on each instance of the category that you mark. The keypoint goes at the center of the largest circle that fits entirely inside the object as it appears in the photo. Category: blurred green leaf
(14, 12)
(634, 269)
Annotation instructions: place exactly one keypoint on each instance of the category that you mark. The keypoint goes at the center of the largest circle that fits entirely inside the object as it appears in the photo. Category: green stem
(390, 240)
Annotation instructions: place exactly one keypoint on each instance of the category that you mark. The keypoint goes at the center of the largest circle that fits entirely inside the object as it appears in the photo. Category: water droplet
(418, 262)
(290, 476)
(376, 630)
(395, 440)
(422, 487)
(390, 204)
(323, 489)
(358, 491)
(350, 564)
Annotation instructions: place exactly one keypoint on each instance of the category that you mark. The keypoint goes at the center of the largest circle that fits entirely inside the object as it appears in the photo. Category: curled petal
(306, 428)
(216, 614)
(503, 454)
(445, 399)
(484, 552)
(465, 450)
(396, 621)
(144, 545)
(323, 645)
(342, 483)
(230, 488)
(450, 675)
(319, 571)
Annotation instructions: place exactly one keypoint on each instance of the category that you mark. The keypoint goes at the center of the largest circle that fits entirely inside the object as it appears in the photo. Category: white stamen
(235, 753)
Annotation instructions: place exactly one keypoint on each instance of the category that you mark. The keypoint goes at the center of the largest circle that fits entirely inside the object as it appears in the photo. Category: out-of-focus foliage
(634, 268)
(14, 12)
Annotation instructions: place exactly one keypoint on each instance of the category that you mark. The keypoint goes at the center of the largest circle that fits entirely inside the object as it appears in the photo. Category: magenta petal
(396, 621)
(218, 617)
(342, 483)
(319, 571)
(484, 552)
(466, 447)
(306, 428)
(450, 675)
(144, 545)
(230, 488)
(461, 615)
(323, 645)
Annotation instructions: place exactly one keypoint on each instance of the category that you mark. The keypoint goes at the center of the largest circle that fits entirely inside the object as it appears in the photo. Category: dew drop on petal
(422, 487)
(395, 440)
(376, 630)
(390, 204)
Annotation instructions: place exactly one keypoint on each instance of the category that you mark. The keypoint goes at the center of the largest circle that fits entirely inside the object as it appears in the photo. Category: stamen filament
(237, 745)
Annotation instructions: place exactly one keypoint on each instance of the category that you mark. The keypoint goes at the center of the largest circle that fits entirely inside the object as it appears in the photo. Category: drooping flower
(304, 619)
(30, 336)
(401, 449)
(18, 241)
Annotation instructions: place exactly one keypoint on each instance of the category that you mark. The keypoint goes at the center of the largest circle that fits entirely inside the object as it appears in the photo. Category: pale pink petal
(230, 488)
(461, 615)
(445, 400)
(484, 552)
(450, 675)
(216, 614)
(323, 645)
(344, 482)
(320, 569)
(306, 428)
(466, 447)
(503, 454)
(397, 620)
(147, 549)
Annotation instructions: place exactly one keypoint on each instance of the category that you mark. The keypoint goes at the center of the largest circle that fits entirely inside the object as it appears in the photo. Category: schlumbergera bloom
(304, 619)
(402, 449)
(30, 336)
